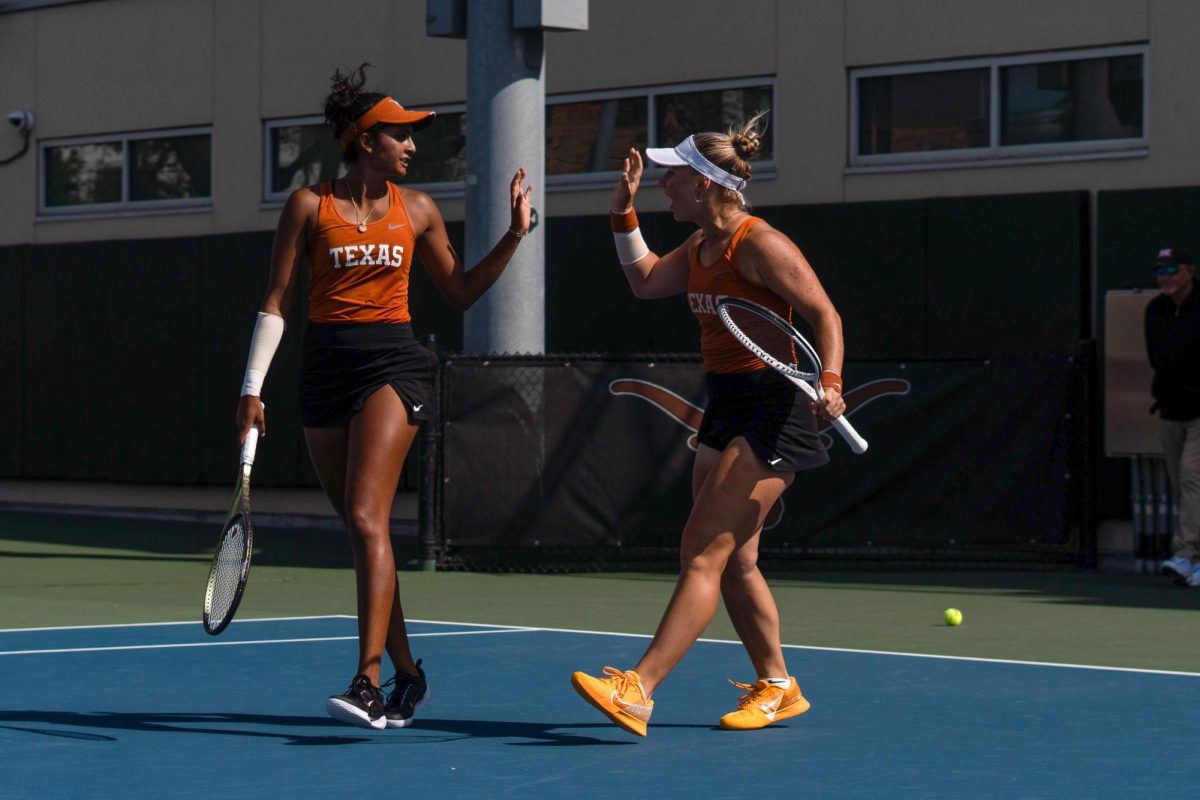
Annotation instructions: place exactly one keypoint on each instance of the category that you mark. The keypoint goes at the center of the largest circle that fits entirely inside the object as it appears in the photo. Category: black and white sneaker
(361, 705)
(407, 695)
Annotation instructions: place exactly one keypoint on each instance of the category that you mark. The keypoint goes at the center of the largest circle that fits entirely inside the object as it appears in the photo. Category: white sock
(782, 683)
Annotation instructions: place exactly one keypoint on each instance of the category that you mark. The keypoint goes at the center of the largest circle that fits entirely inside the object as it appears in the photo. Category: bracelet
(518, 234)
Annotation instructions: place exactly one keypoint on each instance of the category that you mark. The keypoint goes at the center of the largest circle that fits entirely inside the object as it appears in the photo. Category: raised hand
(627, 184)
(519, 199)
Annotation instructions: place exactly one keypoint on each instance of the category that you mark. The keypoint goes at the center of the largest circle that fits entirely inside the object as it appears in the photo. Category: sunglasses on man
(1166, 269)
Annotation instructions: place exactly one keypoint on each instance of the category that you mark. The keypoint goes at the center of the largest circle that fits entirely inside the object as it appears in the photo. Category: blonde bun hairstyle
(732, 151)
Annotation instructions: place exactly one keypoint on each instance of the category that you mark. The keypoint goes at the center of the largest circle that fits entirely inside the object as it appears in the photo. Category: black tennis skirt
(770, 412)
(344, 364)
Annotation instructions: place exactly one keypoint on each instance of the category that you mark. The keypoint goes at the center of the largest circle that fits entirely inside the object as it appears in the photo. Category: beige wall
(234, 63)
(889, 32)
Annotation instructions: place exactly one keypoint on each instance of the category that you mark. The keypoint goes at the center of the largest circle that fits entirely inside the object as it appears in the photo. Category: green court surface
(77, 570)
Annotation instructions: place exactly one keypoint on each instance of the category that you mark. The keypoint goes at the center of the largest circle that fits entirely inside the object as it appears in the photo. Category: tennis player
(366, 382)
(758, 430)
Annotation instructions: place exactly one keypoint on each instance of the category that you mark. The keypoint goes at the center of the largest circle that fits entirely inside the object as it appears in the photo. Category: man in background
(1173, 346)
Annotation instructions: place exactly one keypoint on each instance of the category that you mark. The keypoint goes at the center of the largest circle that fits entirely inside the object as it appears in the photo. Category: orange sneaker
(620, 696)
(763, 704)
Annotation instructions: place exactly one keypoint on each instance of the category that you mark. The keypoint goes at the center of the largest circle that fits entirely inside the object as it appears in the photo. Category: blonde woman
(758, 430)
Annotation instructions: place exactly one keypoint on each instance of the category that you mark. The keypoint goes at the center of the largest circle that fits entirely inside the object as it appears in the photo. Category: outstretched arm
(459, 285)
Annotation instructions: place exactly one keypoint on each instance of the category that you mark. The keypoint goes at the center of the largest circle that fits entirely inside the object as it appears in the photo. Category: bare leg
(733, 499)
(752, 610)
(359, 467)
(747, 597)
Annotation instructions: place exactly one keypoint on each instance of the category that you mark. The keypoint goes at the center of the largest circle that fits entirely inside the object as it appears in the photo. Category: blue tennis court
(138, 711)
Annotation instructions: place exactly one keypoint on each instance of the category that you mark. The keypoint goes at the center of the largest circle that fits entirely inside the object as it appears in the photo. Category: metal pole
(1139, 516)
(431, 484)
(506, 106)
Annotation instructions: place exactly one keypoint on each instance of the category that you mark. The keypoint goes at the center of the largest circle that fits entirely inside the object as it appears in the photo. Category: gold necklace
(362, 221)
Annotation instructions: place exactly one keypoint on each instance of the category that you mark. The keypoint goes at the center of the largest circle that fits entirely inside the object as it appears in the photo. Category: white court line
(187, 622)
(246, 642)
(889, 653)
(518, 629)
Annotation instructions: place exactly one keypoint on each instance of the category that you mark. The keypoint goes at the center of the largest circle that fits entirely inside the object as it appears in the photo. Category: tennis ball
(953, 617)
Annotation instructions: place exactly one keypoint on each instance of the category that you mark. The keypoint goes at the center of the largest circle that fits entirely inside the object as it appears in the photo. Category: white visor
(685, 154)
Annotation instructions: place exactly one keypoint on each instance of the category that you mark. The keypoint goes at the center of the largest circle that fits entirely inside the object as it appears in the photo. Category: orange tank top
(360, 277)
(707, 285)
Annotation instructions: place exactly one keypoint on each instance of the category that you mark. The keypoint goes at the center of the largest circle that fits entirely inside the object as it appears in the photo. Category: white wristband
(631, 246)
(268, 331)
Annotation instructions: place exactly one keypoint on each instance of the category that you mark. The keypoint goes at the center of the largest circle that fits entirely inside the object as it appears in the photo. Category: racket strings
(768, 341)
(227, 571)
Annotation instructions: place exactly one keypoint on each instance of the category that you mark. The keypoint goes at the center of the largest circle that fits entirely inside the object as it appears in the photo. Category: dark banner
(576, 454)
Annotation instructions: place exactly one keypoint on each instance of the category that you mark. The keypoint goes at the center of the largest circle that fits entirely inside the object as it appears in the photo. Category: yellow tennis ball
(953, 617)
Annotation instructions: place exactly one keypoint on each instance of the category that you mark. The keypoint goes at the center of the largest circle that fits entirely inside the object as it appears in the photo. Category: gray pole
(506, 101)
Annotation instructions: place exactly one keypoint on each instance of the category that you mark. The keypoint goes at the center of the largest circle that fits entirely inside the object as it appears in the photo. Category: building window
(923, 111)
(593, 135)
(1089, 99)
(146, 171)
(302, 151)
(1046, 106)
(588, 135)
(680, 114)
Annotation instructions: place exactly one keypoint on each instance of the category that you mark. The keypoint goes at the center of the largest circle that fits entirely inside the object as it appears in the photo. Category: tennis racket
(231, 563)
(773, 339)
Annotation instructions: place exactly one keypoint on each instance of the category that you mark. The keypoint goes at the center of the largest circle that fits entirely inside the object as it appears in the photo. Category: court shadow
(231, 725)
(424, 731)
(535, 734)
(538, 733)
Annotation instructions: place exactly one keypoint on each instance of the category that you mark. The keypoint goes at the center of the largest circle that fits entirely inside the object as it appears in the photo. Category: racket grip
(856, 442)
(249, 446)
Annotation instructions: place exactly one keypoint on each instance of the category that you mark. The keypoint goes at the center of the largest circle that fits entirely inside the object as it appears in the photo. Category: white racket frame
(808, 382)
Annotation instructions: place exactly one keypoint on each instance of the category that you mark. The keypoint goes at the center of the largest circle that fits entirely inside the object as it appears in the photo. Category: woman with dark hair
(366, 381)
(758, 431)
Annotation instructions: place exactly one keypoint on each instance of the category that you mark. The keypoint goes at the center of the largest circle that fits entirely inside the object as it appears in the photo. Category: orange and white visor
(386, 111)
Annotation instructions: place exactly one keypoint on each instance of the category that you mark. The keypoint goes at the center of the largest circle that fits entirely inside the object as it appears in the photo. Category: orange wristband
(831, 380)
(623, 223)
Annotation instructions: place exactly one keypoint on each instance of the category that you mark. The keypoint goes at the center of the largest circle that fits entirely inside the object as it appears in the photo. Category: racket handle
(856, 442)
(249, 446)
(843, 426)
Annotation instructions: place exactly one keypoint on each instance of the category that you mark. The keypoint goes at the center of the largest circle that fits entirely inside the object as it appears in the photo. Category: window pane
(302, 155)
(78, 174)
(441, 151)
(170, 168)
(593, 136)
(1072, 101)
(923, 111)
(680, 115)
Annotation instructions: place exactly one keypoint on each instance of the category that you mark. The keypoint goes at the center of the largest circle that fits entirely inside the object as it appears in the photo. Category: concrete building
(234, 71)
(970, 178)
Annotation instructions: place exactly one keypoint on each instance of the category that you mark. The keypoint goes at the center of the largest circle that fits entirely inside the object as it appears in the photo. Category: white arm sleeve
(631, 247)
(268, 331)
